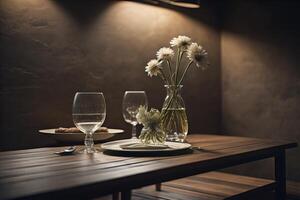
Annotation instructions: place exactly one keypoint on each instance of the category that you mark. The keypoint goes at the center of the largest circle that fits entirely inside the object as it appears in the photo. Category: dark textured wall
(261, 76)
(52, 48)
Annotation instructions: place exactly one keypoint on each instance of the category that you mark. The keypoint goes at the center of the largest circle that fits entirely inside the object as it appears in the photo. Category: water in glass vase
(174, 118)
(175, 124)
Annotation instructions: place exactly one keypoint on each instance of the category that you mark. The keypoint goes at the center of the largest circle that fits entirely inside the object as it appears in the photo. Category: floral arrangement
(172, 118)
(194, 52)
(152, 131)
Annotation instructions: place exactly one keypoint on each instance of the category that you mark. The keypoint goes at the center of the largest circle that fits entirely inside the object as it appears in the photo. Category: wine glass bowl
(88, 122)
(132, 100)
(130, 114)
(89, 112)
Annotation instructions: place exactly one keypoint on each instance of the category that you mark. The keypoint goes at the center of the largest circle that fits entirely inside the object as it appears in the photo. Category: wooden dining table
(40, 174)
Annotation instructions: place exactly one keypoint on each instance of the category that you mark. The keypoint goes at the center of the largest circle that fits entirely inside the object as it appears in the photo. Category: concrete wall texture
(52, 49)
(261, 76)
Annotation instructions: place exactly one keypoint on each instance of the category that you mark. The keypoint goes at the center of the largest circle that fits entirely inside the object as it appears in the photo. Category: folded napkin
(143, 146)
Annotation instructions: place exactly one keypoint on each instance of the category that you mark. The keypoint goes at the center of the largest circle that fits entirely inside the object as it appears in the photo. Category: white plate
(116, 146)
(79, 137)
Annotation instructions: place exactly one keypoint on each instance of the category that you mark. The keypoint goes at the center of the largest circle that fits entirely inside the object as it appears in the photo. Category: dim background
(50, 49)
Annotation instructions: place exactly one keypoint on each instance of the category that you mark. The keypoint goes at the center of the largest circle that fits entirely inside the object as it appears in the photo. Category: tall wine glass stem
(134, 131)
(89, 142)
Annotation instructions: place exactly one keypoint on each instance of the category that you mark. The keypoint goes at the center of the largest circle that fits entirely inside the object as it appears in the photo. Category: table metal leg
(116, 196)
(280, 175)
(158, 186)
(126, 195)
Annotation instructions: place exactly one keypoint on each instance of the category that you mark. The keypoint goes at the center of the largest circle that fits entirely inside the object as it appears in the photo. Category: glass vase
(152, 135)
(174, 118)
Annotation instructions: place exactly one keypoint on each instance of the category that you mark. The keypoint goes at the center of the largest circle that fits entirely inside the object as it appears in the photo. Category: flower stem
(186, 69)
(163, 77)
(179, 57)
(170, 71)
(176, 68)
(165, 111)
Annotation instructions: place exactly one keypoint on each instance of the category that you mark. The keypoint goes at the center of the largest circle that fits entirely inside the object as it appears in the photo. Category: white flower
(181, 42)
(152, 132)
(198, 55)
(153, 68)
(164, 53)
(153, 117)
(150, 119)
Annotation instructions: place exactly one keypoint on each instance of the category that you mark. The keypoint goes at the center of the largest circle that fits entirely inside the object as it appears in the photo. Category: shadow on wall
(261, 75)
(271, 22)
(86, 12)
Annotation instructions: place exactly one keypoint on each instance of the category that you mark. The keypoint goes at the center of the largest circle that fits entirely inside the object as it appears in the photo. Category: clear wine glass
(89, 112)
(132, 100)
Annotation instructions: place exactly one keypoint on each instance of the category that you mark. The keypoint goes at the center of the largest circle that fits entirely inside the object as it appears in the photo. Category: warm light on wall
(132, 17)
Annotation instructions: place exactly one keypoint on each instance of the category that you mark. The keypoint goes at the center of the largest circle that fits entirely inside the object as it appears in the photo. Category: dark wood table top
(39, 173)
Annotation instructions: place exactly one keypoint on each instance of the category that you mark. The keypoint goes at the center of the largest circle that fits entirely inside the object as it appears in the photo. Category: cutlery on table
(67, 151)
